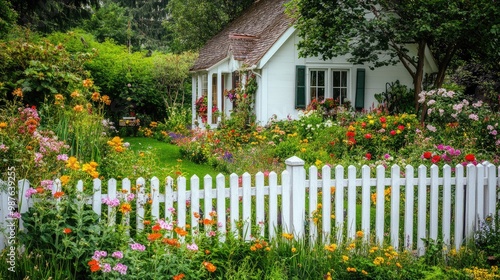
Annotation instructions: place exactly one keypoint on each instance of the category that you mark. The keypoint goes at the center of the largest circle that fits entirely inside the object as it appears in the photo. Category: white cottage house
(264, 41)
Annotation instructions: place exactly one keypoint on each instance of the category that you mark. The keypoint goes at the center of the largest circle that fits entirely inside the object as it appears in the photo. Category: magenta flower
(121, 268)
(192, 247)
(30, 192)
(117, 254)
(137, 247)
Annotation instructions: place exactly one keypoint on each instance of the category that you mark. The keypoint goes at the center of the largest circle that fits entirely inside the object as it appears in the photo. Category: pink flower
(192, 247)
(137, 247)
(117, 254)
(474, 117)
(121, 268)
(30, 192)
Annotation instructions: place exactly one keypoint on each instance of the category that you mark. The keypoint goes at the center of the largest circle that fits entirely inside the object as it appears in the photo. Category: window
(339, 85)
(317, 84)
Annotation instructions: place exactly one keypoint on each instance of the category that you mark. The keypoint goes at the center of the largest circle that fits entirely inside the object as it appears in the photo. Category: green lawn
(169, 156)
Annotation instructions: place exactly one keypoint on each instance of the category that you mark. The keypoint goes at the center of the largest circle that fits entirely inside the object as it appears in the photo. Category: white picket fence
(447, 207)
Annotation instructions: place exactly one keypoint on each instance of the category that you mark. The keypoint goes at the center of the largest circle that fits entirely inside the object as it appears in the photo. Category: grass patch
(169, 158)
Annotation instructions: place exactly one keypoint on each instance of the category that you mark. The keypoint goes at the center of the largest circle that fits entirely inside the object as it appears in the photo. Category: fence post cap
(294, 161)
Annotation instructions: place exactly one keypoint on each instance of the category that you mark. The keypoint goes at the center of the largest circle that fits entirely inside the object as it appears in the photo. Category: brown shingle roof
(248, 37)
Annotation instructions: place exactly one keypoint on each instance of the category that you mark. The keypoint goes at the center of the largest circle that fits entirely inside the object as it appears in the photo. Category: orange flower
(154, 236)
(58, 97)
(96, 96)
(126, 208)
(58, 194)
(179, 276)
(78, 108)
(18, 92)
(196, 215)
(171, 241)
(209, 266)
(87, 83)
(75, 94)
(3, 125)
(39, 190)
(105, 99)
(207, 222)
(64, 179)
(94, 265)
(146, 222)
(180, 231)
(67, 230)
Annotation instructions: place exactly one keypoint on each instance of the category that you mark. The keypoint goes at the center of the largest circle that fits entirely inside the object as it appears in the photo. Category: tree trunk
(419, 76)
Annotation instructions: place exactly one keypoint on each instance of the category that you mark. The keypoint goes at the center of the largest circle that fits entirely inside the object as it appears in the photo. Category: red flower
(436, 159)
(363, 124)
(156, 227)
(470, 157)
(368, 156)
(368, 136)
(350, 134)
(427, 155)
(382, 120)
(393, 132)
(67, 231)
(401, 127)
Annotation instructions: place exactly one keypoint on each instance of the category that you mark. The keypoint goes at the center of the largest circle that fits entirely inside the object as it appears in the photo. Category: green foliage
(8, 17)
(53, 15)
(194, 22)
(110, 22)
(397, 99)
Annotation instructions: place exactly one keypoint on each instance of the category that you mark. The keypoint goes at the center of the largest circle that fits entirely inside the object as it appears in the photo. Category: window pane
(313, 78)
(321, 78)
(336, 93)
(336, 79)
(313, 93)
(321, 94)
(344, 78)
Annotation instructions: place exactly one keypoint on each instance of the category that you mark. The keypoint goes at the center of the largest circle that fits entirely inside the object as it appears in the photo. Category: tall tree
(379, 32)
(193, 22)
(110, 22)
(53, 15)
(7, 17)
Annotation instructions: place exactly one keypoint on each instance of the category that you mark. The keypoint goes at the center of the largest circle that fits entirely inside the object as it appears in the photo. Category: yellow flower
(64, 179)
(125, 208)
(331, 247)
(351, 269)
(294, 250)
(73, 163)
(345, 258)
(399, 265)
(364, 272)
(318, 162)
(58, 97)
(303, 150)
(359, 233)
(351, 246)
(3, 125)
(288, 236)
(378, 261)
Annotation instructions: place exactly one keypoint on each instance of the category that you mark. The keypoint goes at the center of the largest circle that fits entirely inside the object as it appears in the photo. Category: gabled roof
(248, 37)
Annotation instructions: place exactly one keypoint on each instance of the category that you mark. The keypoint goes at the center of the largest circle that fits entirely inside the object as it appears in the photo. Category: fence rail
(403, 210)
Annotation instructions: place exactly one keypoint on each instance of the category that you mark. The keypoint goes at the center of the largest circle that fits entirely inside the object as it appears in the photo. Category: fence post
(295, 167)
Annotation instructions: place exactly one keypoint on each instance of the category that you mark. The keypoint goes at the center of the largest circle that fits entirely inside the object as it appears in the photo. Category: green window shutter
(300, 87)
(360, 89)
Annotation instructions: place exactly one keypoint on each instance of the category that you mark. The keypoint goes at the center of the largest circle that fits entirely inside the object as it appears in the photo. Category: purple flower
(493, 132)
(15, 215)
(130, 197)
(137, 247)
(111, 202)
(117, 254)
(192, 247)
(99, 254)
(30, 192)
(47, 184)
(106, 267)
(121, 268)
(63, 157)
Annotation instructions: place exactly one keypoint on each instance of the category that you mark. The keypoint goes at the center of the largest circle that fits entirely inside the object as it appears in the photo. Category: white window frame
(329, 87)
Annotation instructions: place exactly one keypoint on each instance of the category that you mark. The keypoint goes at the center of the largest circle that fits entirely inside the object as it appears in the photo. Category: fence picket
(409, 206)
(97, 198)
(326, 215)
(221, 206)
(379, 207)
(234, 203)
(395, 200)
(247, 206)
(273, 204)
(169, 198)
(351, 202)
(313, 203)
(459, 205)
(479, 194)
(491, 190)
(195, 205)
(339, 201)
(140, 202)
(434, 200)
(421, 210)
(446, 204)
(365, 201)
(470, 196)
(259, 204)
(111, 195)
(155, 199)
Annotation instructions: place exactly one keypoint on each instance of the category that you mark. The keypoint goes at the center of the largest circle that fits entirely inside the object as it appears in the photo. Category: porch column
(209, 97)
